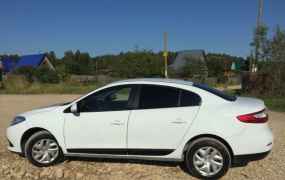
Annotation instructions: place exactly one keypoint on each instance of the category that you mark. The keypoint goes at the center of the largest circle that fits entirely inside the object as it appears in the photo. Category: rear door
(159, 123)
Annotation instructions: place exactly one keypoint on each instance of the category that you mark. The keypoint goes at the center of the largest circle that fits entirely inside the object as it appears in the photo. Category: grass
(275, 103)
(272, 103)
(19, 85)
(61, 88)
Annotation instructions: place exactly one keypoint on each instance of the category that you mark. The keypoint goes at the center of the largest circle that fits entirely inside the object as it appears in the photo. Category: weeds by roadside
(272, 103)
(37, 88)
(275, 103)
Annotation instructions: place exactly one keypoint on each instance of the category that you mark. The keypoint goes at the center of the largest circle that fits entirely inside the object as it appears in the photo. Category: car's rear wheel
(207, 158)
(42, 149)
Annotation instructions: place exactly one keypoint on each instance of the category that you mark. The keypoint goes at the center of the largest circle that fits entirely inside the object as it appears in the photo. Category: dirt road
(13, 166)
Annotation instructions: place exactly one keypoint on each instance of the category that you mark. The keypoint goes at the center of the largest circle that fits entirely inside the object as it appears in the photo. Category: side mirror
(74, 108)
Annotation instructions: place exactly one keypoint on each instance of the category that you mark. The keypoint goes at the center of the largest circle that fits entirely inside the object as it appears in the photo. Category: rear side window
(188, 98)
(216, 92)
(152, 96)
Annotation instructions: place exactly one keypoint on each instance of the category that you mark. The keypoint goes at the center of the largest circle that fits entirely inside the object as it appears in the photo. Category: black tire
(34, 139)
(207, 142)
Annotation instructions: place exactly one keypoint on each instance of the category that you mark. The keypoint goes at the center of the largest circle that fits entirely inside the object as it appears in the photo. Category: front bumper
(14, 135)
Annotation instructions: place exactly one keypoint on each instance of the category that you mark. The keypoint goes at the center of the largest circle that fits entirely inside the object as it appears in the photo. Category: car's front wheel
(207, 158)
(42, 149)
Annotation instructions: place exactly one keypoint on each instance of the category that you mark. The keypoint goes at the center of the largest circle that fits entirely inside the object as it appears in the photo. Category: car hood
(44, 109)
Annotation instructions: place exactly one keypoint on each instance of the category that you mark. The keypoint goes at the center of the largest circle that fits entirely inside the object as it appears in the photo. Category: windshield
(216, 92)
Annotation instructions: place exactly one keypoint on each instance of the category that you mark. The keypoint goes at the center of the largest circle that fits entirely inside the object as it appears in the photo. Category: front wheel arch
(27, 134)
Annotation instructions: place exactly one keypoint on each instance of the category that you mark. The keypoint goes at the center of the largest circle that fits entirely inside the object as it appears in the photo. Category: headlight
(17, 120)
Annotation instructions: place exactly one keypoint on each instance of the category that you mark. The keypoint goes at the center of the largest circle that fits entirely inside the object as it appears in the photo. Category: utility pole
(260, 13)
(258, 26)
(165, 54)
(1, 73)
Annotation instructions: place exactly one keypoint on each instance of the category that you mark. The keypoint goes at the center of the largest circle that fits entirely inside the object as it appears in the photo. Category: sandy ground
(13, 166)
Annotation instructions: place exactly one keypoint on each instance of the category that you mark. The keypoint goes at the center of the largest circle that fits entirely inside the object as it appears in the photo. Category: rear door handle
(178, 121)
(117, 123)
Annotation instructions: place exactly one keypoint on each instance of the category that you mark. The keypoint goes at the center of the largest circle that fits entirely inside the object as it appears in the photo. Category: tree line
(132, 64)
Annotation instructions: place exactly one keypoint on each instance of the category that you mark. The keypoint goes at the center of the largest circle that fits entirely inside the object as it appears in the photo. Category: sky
(112, 26)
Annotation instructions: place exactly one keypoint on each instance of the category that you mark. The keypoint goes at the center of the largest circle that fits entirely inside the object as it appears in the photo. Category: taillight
(258, 117)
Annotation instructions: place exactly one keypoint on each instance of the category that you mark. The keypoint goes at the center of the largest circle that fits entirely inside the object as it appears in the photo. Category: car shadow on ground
(123, 161)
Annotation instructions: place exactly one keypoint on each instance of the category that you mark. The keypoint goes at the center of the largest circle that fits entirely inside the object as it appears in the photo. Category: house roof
(8, 64)
(184, 56)
(30, 60)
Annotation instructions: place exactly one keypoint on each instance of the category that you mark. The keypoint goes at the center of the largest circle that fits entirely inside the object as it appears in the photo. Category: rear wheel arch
(189, 142)
(27, 134)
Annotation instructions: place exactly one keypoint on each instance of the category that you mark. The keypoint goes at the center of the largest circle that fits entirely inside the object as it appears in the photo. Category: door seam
(127, 133)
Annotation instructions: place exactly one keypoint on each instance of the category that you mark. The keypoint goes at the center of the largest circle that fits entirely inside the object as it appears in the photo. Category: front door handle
(178, 122)
(117, 123)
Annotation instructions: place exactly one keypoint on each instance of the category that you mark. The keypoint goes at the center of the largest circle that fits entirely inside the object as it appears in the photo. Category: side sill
(138, 152)
(129, 157)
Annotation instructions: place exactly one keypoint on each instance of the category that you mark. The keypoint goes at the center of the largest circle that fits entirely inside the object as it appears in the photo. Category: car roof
(154, 81)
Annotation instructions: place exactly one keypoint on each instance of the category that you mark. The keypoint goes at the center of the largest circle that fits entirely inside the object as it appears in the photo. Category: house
(7, 65)
(35, 61)
(186, 57)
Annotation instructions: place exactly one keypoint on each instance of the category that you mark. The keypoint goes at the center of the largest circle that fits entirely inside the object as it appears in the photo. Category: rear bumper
(254, 139)
(242, 160)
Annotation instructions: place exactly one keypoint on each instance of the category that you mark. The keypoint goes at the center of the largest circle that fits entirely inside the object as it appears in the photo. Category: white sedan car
(151, 119)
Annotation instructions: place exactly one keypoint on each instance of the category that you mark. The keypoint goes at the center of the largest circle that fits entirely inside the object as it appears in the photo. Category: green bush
(28, 72)
(42, 74)
(45, 75)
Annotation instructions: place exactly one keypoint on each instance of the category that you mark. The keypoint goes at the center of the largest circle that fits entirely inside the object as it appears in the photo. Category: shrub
(45, 75)
(28, 72)
(196, 70)
(16, 84)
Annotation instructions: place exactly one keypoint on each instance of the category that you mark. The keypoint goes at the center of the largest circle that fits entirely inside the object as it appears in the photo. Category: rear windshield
(219, 93)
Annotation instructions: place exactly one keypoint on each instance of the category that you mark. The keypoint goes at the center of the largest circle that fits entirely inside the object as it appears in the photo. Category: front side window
(111, 99)
(152, 96)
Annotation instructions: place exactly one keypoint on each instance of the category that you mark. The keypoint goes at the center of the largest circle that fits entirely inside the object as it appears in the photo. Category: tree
(271, 77)
(218, 64)
(195, 69)
(260, 44)
(143, 63)
(277, 67)
(45, 75)
(78, 63)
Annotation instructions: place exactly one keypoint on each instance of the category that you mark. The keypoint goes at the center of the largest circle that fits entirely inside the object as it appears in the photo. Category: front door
(101, 124)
